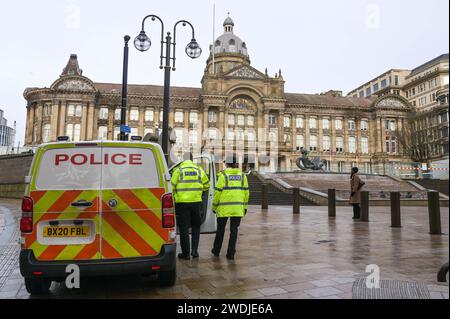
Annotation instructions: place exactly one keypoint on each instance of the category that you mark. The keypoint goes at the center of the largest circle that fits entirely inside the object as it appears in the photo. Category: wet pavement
(279, 255)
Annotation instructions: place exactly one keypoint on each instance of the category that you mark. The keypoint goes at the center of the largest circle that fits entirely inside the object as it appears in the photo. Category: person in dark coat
(355, 193)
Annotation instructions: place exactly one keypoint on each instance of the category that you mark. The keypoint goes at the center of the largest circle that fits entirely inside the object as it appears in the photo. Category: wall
(13, 169)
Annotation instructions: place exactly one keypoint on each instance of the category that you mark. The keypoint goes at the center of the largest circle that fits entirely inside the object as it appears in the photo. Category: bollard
(296, 200)
(331, 202)
(364, 206)
(264, 199)
(395, 210)
(434, 213)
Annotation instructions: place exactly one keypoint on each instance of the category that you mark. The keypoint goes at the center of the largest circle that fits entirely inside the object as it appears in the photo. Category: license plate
(67, 231)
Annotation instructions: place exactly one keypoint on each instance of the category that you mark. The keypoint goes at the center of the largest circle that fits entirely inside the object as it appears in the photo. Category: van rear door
(65, 192)
(132, 187)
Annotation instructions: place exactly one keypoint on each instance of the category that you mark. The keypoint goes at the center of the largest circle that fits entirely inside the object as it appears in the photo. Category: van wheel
(37, 286)
(167, 278)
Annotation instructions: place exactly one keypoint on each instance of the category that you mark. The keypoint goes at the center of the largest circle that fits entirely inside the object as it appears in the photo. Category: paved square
(281, 255)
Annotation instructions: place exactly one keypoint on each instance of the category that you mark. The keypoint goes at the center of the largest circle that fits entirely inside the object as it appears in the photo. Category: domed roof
(228, 42)
(228, 21)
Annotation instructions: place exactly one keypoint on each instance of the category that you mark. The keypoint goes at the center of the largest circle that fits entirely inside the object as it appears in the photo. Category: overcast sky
(319, 45)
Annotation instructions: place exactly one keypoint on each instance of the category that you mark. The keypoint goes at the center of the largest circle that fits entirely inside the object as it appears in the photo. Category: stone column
(383, 136)
(319, 135)
(84, 115)
(30, 125)
(54, 121)
(376, 133)
(306, 138)
(141, 121)
(38, 116)
(111, 111)
(333, 142)
(90, 123)
(62, 118)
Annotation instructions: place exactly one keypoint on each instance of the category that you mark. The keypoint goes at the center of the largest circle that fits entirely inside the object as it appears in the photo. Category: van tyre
(37, 286)
(167, 278)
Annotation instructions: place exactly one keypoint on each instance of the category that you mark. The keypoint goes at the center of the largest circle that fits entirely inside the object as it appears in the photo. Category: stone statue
(305, 163)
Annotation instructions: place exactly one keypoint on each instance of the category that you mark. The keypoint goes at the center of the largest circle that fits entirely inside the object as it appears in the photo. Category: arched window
(242, 103)
(217, 46)
(232, 45)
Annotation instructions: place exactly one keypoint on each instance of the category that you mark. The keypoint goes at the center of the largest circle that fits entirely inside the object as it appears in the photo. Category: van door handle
(82, 203)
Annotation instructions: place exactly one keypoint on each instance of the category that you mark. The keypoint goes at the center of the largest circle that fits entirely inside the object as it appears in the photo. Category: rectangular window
(179, 134)
(250, 136)
(364, 145)
(287, 138)
(272, 119)
(149, 115)
(351, 125)
(77, 132)
(230, 119)
(325, 124)
(375, 88)
(241, 120)
(361, 94)
(368, 92)
(103, 115)
(364, 125)
(117, 133)
(212, 117)
(326, 144)
(338, 124)
(134, 131)
(341, 166)
(393, 145)
(313, 143)
(47, 109)
(134, 114)
(102, 133)
(339, 144)
(352, 144)
(387, 144)
(78, 111)
(230, 135)
(193, 117)
(117, 113)
(69, 131)
(396, 80)
(193, 137)
(392, 125)
(70, 110)
(300, 141)
(287, 122)
(179, 116)
(383, 83)
(312, 122)
(250, 120)
(46, 133)
(299, 121)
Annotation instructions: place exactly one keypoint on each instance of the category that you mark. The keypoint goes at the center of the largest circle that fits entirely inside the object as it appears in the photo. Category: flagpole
(214, 39)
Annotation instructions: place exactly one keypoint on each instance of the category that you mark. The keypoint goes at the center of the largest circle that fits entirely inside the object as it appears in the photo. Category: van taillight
(26, 222)
(168, 213)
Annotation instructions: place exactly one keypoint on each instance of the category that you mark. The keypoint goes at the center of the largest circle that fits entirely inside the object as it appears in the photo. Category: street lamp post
(142, 43)
(123, 108)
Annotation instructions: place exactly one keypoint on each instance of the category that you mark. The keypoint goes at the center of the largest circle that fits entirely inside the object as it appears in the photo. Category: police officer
(189, 181)
(230, 201)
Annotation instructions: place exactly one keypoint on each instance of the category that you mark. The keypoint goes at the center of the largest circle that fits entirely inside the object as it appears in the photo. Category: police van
(104, 206)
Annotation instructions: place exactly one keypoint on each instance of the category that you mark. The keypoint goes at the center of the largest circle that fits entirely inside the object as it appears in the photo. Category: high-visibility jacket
(231, 193)
(189, 181)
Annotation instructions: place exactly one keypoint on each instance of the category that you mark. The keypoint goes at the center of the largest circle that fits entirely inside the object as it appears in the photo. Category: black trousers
(188, 215)
(221, 224)
(356, 211)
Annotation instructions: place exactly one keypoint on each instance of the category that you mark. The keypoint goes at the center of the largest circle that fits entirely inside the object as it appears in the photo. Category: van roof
(100, 142)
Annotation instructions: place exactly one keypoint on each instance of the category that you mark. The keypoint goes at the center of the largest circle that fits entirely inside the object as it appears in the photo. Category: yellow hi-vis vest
(231, 193)
(189, 181)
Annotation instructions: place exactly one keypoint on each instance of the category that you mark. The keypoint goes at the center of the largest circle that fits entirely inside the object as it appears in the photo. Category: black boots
(194, 253)
(182, 256)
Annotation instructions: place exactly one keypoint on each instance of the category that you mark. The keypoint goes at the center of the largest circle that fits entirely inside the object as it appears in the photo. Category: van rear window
(97, 168)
